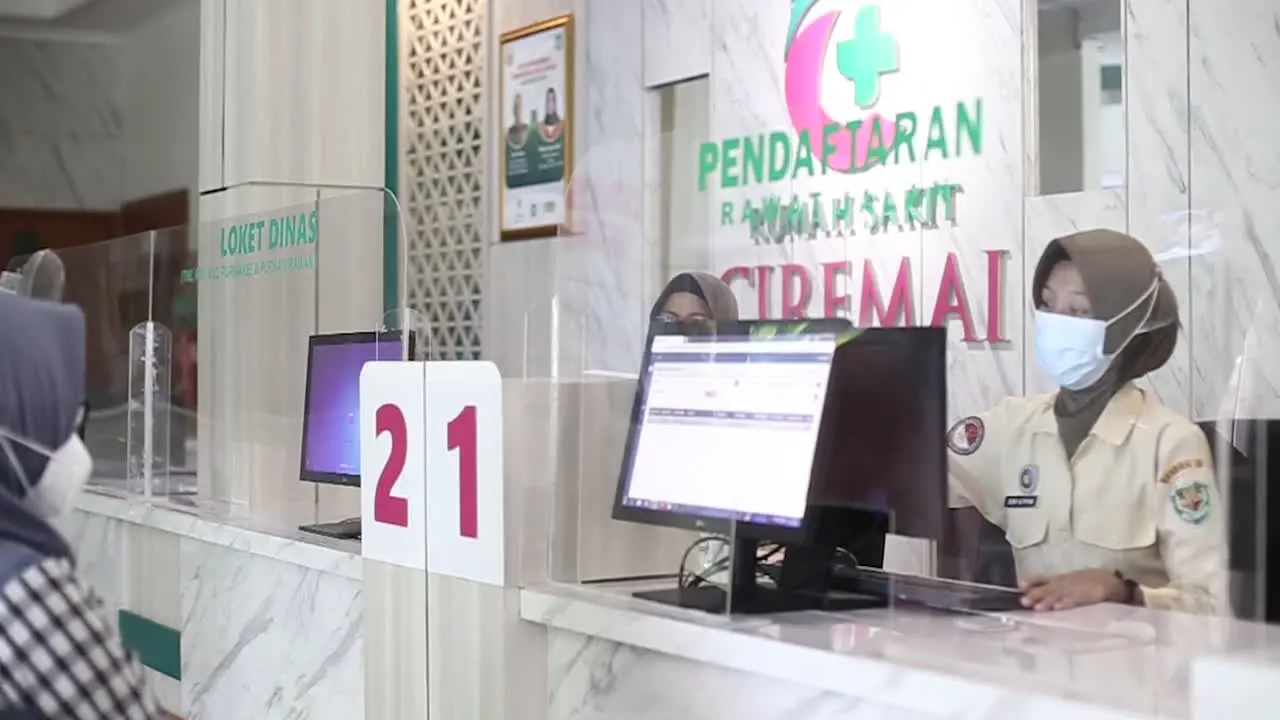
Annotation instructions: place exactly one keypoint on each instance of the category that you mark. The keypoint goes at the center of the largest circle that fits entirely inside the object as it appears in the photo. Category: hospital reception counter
(237, 622)
(231, 621)
(612, 656)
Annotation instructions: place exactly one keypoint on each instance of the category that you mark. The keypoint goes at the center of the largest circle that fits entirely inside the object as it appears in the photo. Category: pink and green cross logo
(864, 54)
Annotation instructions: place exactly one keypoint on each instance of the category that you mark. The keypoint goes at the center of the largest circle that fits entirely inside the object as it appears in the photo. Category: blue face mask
(1071, 350)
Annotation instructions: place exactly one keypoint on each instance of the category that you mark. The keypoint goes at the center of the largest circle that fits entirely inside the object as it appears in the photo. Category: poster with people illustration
(537, 154)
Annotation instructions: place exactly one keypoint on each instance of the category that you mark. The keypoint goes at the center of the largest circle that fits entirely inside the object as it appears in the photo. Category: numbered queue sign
(393, 471)
(432, 481)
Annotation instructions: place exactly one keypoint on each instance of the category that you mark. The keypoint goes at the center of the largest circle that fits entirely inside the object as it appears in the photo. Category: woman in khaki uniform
(1104, 494)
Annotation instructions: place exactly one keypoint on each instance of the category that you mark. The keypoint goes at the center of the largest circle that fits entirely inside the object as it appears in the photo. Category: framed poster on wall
(536, 128)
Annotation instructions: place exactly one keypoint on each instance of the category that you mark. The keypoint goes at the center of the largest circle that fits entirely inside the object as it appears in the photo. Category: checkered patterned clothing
(58, 658)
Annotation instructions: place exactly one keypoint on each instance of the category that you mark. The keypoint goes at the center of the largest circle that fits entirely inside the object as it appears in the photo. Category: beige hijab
(711, 289)
(1117, 270)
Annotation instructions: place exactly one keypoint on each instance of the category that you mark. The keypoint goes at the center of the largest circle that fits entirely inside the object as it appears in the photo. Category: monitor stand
(803, 585)
(348, 529)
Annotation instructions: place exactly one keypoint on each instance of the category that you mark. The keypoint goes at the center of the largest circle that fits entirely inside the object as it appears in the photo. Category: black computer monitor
(331, 414)
(722, 438)
(882, 447)
(724, 426)
(881, 462)
(878, 465)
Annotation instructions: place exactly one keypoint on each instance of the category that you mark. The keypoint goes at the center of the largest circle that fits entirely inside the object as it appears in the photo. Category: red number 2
(462, 437)
(388, 508)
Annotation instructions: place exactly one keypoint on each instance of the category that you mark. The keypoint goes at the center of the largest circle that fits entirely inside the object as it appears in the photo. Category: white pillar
(292, 104)
(293, 110)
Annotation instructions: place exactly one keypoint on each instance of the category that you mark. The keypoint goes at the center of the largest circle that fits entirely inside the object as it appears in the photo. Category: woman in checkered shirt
(58, 658)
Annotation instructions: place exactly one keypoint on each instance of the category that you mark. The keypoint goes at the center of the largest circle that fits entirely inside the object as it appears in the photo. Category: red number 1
(462, 437)
(388, 508)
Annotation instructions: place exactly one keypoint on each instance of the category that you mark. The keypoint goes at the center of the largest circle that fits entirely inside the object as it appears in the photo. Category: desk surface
(1112, 661)
(282, 543)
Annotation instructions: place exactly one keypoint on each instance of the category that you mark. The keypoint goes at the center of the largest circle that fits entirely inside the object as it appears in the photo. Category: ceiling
(101, 17)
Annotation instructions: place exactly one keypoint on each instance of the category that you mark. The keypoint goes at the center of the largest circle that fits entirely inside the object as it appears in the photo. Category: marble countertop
(341, 557)
(1241, 686)
(1110, 661)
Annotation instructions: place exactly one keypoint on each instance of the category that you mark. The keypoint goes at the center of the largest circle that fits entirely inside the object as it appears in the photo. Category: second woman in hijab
(695, 301)
(1104, 494)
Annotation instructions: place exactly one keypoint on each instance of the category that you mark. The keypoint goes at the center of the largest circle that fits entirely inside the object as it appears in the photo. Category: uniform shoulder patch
(1191, 500)
(1177, 469)
(965, 437)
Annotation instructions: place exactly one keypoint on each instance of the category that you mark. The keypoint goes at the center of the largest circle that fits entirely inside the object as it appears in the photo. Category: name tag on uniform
(1020, 501)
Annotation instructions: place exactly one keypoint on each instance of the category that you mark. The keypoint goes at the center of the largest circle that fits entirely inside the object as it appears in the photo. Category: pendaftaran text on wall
(761, 182)
(778, 157)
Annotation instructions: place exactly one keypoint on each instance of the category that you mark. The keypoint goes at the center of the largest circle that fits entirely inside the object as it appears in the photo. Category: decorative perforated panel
(441, 167)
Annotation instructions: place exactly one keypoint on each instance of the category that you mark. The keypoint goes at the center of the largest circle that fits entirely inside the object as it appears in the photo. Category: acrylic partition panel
(367, 237)
(913, 179)
(255, 291)
(846, 179)
(603, 282)
(198, 344)
(285, 274)
(1037, 121)
(364, 237)
(113, 282)
(577, 317)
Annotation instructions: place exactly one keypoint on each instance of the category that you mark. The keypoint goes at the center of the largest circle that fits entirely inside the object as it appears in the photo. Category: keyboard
(348, 529)
(930, 592)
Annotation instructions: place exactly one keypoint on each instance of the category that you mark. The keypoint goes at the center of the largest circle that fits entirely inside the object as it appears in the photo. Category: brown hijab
(711, 289)
(1117, 270)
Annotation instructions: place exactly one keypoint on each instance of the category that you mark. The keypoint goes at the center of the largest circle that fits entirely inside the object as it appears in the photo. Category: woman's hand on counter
(1072, 590)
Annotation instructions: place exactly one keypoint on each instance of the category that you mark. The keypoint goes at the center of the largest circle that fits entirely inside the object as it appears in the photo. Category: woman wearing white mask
(58, 657)
(1104, 494)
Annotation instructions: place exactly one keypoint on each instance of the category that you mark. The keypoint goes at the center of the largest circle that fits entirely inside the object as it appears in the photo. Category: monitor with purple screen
(331, 420)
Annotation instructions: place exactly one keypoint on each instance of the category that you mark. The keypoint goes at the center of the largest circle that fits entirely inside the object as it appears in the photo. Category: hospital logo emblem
(836, 58)
(965, 437)
(1191, 502)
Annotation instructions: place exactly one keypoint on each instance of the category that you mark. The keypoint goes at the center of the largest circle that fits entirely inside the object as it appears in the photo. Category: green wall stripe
(391, 162)
(158, 647)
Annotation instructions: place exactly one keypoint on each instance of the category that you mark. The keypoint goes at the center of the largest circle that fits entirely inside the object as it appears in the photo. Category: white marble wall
(253, 345)
(590, 678)
(1200, 164)
(270, 628)
(161, 60)
(61, 134)
(268, 639)
(604, 277)
(579, 302)
(133, 568)
(1153, 206)
(1200, 193)
(1234, 163)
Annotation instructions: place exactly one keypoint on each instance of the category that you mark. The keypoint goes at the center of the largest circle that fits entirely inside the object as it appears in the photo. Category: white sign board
(393, 485)
(463, 444)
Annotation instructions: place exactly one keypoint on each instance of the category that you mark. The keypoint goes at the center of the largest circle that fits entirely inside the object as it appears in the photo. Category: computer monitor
(878, 465)
(882, 446)
(724, 426)
(331, 415)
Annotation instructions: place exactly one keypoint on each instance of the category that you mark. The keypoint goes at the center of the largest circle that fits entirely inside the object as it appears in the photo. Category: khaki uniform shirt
(1139, 496)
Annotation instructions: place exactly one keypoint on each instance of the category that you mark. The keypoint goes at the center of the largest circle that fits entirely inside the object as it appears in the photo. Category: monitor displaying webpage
(728, 426)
